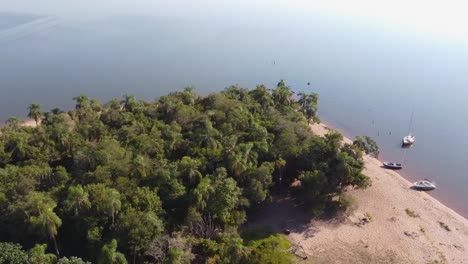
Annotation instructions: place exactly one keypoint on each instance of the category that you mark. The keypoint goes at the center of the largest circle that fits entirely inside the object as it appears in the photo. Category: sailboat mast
(411, 123)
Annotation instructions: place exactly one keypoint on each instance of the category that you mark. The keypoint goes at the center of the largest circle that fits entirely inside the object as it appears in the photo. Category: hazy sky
(447, 18)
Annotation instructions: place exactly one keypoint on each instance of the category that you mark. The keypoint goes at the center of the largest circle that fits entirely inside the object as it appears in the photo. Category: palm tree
(249, 157)
(241, 158)
(282, 94)
(48, 222)
(77, 199)
(82, 101)
(112, 205)
(128, 102)
(206, 135)
(82, 106)
(38, 254)
(280, 164)
(308, 105)
(40, 209)
(173, 138)
(190, 168)
(18, 145)
(110, 255)
(14, 123)
(142, 166)
(56, 111)
(35, 112)
(262, 96)
(189, 96)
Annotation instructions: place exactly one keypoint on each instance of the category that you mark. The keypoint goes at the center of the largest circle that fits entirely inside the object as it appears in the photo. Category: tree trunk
(56, 247)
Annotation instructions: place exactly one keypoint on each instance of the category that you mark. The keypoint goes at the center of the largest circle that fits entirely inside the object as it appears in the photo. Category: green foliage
(368, 145)
(12, 254)
(77, 199)
(411, 213)
(225, 199)
(159, 180)
(309, 105)
(337, 166)
(72, 260)
(39, 211)
(368, 216)
(347, 202)
(137, 229)
(273, 249)
(105, 200)
(35, 112)
(110, 255)
(38, 255)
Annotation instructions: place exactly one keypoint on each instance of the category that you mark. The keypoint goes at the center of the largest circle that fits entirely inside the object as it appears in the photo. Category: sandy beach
(406, 226)
(30, 123)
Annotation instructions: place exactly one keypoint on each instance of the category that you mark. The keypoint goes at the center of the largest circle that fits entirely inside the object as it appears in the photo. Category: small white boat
(393, 165)
(424, 185)
(409, 139)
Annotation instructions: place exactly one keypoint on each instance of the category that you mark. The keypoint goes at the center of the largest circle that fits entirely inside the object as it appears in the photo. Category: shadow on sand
(284, 214)
(419, 190)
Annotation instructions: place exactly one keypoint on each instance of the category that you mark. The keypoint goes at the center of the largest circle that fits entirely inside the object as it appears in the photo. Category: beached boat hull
(392, 166)
(424, 185)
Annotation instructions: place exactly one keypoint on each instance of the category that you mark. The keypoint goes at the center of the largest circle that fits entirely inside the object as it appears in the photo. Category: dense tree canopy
(168, 181)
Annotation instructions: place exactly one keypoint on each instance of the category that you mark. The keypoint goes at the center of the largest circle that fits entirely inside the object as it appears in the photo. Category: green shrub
(368, 216)
(411, 213)
(12, 254)
(273, 249)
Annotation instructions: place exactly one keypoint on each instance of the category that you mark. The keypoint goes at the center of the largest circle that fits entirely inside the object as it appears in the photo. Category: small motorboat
(409, 140)
(393, 165)
(424, 185)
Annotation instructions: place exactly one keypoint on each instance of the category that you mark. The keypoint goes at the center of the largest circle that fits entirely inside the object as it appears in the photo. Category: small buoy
(308, 83)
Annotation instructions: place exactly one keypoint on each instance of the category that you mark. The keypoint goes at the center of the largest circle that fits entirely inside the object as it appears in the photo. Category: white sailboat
(410, 138)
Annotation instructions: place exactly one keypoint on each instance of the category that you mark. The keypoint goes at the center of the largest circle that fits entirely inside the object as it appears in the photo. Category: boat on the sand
(393, 165)
(424, 185)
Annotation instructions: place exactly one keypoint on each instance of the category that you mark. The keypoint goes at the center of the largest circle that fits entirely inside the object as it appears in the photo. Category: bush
(72, 260)
(368, 216)
(12, 254)
(411, 213)
(444, 226)
(273, 249)
(346, 202)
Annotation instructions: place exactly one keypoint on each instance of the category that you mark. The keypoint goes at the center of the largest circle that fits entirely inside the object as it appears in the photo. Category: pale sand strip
(392, 236)
(30, 123)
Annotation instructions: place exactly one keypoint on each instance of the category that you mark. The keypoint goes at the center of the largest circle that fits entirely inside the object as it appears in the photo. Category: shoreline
(368, 159)
(405, 226)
